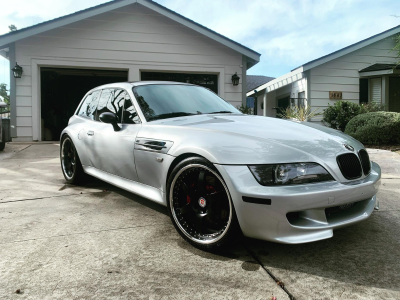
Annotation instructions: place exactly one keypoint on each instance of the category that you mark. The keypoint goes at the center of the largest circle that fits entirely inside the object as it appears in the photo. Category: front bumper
(297, 213)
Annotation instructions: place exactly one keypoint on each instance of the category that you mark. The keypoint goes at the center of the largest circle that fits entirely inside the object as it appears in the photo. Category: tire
(70, 163)
(200, 205)
(3, 142)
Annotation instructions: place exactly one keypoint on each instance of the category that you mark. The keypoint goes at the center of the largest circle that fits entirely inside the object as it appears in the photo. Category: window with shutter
(376, 90)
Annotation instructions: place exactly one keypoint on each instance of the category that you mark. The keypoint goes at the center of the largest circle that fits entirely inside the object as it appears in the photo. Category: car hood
(244, 139)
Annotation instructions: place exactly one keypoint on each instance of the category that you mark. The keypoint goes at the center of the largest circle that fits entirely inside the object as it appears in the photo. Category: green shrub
(244, 109)
(300, 113)
(338, 115)
(375, 128)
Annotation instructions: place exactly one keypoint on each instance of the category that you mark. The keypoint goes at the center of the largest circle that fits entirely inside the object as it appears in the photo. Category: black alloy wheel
(70, 163)
(200, 204)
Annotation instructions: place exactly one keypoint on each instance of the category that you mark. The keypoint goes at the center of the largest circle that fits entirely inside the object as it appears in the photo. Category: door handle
(90, 133)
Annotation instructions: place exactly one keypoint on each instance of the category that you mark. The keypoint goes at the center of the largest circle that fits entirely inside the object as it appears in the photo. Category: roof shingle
(254, 81)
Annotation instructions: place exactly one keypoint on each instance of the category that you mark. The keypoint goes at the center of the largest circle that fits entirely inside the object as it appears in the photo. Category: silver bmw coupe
(218, 171)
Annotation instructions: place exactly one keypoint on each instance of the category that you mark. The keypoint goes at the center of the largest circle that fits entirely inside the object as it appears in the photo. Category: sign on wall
(335, 95)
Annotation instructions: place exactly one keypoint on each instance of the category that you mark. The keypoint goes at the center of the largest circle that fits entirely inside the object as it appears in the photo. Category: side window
(130, 115)
(82, 111)
(88, 108)
(117, 103)
(110, 102)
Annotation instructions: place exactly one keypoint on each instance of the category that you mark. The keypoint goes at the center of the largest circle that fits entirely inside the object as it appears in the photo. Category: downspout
(13, 93)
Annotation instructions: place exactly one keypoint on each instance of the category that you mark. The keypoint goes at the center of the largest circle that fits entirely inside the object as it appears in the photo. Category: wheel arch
(177, 160)
(78, 147)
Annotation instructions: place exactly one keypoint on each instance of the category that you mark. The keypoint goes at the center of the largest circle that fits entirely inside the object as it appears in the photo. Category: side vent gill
(159, 146)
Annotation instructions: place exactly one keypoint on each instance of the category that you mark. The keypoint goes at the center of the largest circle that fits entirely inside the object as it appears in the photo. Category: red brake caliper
(187, 196)
(210, 188)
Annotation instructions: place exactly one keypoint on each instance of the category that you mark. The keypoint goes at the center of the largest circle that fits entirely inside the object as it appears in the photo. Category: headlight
(286, 174)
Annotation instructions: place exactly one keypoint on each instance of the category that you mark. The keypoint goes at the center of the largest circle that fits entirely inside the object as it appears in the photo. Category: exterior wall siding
(134, 38)
(291, 90)
(342, 74)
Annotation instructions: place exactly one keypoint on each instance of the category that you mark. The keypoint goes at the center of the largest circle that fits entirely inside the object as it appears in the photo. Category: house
(362, 73)
(253, 82)
(122, 40)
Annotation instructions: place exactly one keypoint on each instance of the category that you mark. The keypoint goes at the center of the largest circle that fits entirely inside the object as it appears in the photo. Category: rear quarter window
(89, 106)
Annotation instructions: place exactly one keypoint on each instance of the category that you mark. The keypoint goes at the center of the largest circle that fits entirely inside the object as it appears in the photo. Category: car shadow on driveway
(235, 251)
(94, 183)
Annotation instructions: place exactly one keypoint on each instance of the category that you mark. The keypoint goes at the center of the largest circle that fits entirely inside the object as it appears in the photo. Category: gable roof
(254, 81)
(346, 50)
(253, 56)
(298, 73)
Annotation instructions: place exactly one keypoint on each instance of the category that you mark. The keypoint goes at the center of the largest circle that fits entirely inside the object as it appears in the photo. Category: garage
(61, 91)
(60, 60)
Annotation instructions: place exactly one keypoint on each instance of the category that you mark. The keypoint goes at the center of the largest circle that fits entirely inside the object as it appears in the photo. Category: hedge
(375, 128)
(341, 112)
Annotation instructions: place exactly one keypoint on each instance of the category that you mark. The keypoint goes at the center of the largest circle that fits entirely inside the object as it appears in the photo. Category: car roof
(138, 83)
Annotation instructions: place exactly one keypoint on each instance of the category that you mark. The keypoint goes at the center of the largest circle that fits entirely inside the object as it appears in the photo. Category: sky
(288, 33)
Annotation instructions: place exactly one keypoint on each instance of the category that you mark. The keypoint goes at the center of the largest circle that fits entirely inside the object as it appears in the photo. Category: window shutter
(376, 90)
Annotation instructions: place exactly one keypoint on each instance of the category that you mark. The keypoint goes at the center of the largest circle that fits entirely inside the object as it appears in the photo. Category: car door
(88, 112)
(113, 151)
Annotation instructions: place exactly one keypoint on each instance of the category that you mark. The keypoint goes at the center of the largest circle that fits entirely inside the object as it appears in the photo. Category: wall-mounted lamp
(17, 70)
(235, 79)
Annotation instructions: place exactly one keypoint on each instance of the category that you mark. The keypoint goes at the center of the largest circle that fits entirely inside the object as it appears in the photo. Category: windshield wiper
(170, 115)
(221, 112)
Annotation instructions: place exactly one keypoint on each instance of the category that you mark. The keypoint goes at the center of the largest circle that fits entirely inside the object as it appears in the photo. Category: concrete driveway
(99, 242)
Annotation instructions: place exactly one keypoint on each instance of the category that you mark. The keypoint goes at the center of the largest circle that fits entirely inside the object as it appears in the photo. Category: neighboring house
(363, 72)
(252, 82)
(117, 41)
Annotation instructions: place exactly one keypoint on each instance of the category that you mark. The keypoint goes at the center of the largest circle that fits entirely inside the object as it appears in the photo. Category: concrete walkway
(99, 242)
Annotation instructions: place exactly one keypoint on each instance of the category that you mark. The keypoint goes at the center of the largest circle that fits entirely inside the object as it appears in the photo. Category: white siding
(134, 38)
(293, 89)
(342, 74)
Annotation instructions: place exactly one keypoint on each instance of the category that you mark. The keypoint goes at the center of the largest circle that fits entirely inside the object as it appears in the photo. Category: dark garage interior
(61, 91)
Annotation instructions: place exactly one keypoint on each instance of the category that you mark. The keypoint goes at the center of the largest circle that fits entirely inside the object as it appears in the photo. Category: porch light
(17, 70)
(235, 79)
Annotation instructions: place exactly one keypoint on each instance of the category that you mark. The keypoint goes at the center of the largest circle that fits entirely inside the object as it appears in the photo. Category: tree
(4, 93)
(12, 28)
(4, 96)
(397, 48)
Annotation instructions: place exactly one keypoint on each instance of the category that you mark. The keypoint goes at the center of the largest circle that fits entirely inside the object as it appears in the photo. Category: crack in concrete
(49, 197)
(269, 272)
(80, 233)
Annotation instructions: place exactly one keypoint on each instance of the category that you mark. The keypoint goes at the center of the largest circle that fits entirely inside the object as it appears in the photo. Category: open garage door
(61, 91)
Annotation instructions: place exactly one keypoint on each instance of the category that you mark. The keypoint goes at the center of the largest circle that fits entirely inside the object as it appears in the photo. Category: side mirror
(110, 118)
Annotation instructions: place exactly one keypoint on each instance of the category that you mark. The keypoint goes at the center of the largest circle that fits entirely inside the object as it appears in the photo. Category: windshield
(162, 101)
